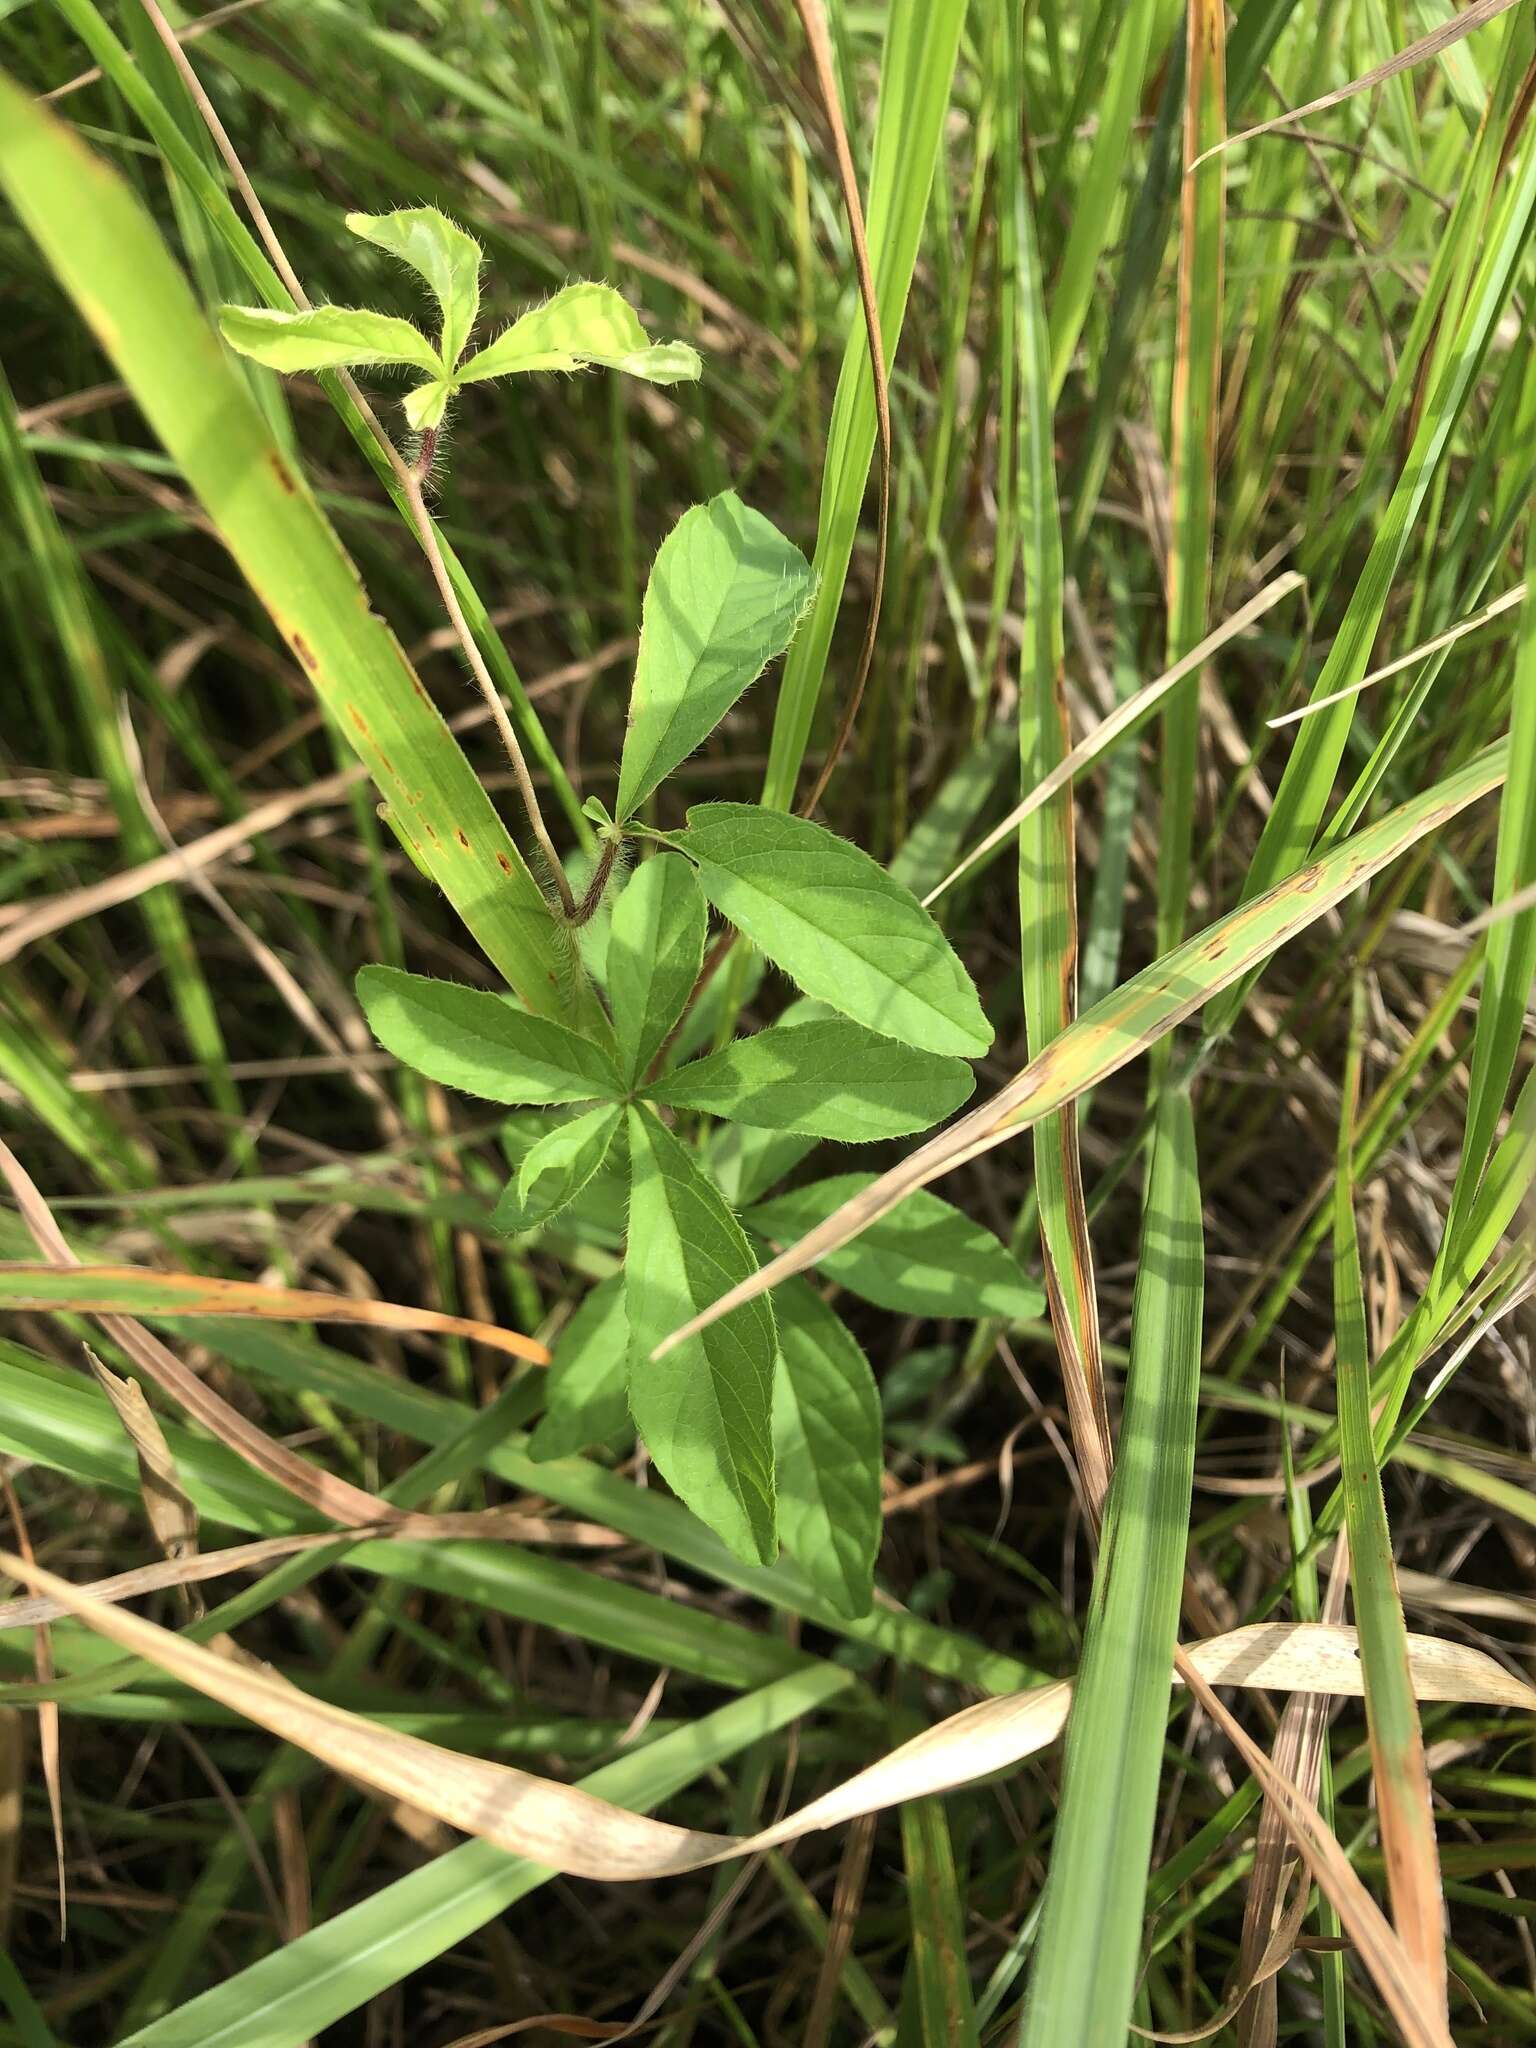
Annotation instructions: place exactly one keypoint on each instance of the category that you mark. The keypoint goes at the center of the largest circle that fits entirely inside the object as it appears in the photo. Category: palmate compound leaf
(725, 594)
(469, 1039)
(705, 1411)
(924, 1259)
(837, 924)
(827, 1435)
(827, 1078)
(440, 252)
(325, 338)
(655, 950)
(582, 326)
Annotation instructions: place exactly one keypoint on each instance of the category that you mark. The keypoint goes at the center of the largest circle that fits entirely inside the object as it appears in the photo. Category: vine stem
(409, 477)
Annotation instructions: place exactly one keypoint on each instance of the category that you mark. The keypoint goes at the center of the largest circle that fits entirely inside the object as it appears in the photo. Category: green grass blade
(1510, 971)
(1196, 406)
(1047, 850)
(1392, 1712)
(67, 597)
(1084, 1975)
(286, 1999)
(1307, 783)
(1095, 197)
(110, 258)
(922, 38)
(938, 2010)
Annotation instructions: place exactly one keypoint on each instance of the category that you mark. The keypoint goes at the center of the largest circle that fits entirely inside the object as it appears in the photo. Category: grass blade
(922, 39)
(1135, 1016)
(110, 258)
(1047, 837)
(1196, 408)
(1084, 1977)
(1392, 1714)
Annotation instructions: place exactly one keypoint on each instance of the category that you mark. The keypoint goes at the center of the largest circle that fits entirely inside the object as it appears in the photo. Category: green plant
(582, 325)
(768, 1417)
(1138, 391)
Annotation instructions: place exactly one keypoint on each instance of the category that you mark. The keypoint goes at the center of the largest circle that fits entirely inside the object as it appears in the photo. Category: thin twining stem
(409, 478)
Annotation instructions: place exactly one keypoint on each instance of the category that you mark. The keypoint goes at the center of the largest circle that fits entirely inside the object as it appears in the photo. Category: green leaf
(655, 950)
(826, 1433)
(469, 1039)
(424, 407)
(583, 325)
(1084, 1976)
(828, 1079)
(443, 254)
(745, 1163)
(324, 338)
(556, 1169)
(837, 924)
(924, 1258)
(588, 1401)
(725, 594)
(705, 1410)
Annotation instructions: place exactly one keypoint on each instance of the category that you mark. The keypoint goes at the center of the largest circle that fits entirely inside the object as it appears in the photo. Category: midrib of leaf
(1083, 1980)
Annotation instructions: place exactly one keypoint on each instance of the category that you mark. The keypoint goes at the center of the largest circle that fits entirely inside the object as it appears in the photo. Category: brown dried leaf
(171, 1514)
(574, 1831)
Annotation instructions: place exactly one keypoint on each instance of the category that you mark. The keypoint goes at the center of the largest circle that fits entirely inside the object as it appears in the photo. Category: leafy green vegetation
(767, 972)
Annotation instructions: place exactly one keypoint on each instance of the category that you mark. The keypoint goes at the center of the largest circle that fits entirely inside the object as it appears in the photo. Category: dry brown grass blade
(13, 1778)
(120, 1290)
(337, 1499)
(1132, 712)
(48, 1736)
(1477, 14)
(488, 1524)
(1298, 1756)
(1259, 1978)
(1409, 1999)
(171, 1514)
(1125, 1023)
(814, 21)
(570, 1830)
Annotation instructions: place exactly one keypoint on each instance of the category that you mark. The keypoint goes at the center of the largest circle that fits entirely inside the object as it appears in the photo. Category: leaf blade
(655, 951)
(555, 1169)
(582, 325)
(469, 1039)
(725, 593)
(925, 1258)
(827, 1444)
(588, 1393)
(826, 913)
(705, 1413)
(439, 251)
(826, 1078)
(324, 338)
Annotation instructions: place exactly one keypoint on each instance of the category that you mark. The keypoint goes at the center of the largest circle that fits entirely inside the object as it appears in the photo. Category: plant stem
(409, 479)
